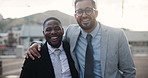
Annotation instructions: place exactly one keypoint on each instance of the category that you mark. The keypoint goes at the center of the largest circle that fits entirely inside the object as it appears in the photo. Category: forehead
(84, 4)
(52, 23)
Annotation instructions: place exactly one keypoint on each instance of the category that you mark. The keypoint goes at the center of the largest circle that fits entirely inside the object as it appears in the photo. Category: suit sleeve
(26, 69)
(66, 39)
(126, 63)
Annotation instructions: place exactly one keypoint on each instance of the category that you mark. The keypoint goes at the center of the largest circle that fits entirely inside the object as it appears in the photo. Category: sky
(133, 16)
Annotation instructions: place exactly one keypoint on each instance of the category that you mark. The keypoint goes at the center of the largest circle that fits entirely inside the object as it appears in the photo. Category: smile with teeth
(54, 38)
(85, 20)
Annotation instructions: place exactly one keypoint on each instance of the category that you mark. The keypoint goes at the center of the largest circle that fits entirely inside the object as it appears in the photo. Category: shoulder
(73, 27)
(66, 45)
(111, 30)
(72, 31)
(116, 34)
(28, 63)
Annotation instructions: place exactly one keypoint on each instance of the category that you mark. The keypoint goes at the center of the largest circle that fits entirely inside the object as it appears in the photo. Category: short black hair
(93, 2)
(51, 18)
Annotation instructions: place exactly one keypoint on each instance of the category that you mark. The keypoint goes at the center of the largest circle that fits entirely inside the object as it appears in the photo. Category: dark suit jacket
(43, 68)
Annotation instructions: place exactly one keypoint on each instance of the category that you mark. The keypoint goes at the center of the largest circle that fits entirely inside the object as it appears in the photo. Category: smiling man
(56, 61)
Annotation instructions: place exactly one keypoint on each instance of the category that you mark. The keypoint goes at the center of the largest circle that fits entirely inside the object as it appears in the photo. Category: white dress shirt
(63, 58)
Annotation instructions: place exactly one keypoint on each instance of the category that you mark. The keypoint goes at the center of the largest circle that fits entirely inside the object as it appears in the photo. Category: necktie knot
(89, 37)
(57, 52)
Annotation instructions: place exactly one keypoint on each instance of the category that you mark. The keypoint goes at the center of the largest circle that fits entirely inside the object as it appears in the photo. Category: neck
(55, 46)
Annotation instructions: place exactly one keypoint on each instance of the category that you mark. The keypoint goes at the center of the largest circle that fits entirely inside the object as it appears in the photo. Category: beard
(90, 26)
(87, 27)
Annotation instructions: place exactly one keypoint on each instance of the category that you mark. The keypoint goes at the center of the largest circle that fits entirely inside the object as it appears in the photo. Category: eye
(88, 10)
(79, 11)
(48, 29)
(57, 28)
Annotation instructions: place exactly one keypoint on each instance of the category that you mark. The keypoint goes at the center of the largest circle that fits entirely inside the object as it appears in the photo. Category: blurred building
(25, 34)
(30, 33)
(138, 41)
(1, 17)
(3, 39)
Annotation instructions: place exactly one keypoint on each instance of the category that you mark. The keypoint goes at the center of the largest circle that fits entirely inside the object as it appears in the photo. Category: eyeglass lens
(88, 11)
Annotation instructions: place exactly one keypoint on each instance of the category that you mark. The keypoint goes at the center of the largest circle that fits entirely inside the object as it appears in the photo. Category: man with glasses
(98, 51)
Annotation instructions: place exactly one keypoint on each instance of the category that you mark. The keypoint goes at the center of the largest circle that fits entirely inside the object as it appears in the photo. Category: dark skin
(53, 33)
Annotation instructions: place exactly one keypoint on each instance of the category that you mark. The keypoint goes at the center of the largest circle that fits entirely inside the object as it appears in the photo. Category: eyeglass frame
(92, 9)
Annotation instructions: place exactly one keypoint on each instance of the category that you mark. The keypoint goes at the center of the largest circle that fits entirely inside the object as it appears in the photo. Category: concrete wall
(11, 66)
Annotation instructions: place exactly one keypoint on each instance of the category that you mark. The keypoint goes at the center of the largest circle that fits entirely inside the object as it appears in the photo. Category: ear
(43, 32)
(96, 13)
(62, 31)
(75, 15)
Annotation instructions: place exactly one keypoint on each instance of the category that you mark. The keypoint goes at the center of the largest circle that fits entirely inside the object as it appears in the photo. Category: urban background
(17, 34)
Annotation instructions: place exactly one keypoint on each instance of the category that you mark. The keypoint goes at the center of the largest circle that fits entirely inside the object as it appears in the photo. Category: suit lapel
(74, 39)
(73, 42)
(47, 60)
(104, 41)
(73, 70)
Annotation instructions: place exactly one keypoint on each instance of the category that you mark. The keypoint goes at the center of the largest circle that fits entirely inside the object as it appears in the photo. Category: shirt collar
(53, 49)
(93, 33)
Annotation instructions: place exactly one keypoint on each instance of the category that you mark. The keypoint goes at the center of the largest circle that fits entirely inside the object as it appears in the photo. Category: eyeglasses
(87, 11)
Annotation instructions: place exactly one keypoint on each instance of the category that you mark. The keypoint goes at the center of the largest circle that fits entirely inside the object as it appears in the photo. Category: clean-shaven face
(53, 33)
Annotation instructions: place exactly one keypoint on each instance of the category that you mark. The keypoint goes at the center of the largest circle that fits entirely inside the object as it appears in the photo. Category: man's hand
(33, 51)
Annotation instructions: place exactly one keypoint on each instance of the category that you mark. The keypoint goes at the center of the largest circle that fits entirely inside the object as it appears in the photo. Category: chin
(55, 45)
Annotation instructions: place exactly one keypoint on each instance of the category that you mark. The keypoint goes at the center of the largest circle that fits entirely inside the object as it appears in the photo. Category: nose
(84, 14)
(53, 31)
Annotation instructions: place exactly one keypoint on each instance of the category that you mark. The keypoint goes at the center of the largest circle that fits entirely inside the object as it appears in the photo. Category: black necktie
(89, 60)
